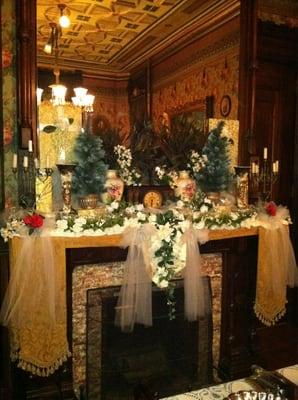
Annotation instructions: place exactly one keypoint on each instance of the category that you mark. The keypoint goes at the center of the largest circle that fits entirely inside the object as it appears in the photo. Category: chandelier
(81, 99)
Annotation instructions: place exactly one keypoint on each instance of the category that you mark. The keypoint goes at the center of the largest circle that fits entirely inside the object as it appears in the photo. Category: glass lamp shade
(89, 100)
(58, 94)
(82, 99)
(80, 92)
(38, 95)
(64, 21)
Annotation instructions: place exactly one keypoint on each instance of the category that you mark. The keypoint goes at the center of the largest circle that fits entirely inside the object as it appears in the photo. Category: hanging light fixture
(64, 20)
(81, 99)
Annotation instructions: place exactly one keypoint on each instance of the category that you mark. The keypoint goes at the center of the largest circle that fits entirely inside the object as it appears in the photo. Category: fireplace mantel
(240, 344)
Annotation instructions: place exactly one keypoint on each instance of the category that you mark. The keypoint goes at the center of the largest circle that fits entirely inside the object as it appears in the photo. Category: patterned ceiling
(114, 34)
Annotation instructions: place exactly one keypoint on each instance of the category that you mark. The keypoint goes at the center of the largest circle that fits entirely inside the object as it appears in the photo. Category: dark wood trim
(27, 73)
(2, 199)
(247, 79)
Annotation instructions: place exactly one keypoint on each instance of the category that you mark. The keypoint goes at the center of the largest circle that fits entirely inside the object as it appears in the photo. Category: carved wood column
(247, 79)
(27, 72)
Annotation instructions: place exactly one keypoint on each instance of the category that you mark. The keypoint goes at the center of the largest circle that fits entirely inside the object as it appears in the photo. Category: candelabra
(28, 172)
(263, 177)
(66, 171)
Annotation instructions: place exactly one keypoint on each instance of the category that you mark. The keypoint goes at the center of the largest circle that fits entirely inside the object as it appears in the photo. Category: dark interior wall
(276, 105)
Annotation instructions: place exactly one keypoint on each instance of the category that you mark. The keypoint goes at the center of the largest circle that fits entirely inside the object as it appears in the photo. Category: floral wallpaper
(211, 76)
(9, 98)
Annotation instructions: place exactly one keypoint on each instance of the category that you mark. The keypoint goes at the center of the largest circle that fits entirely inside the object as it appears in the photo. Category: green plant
(89, 174)
(216, 174)
(145, 149)
(178, 140)
(111, 138)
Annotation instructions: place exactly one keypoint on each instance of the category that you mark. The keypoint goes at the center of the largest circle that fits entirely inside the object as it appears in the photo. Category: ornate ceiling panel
(114, 35)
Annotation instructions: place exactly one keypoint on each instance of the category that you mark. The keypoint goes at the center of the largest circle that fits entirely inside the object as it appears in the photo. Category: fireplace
(88, 283)
(168, 358)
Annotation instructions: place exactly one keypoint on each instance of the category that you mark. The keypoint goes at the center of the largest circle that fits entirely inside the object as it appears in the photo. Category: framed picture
(225, 106)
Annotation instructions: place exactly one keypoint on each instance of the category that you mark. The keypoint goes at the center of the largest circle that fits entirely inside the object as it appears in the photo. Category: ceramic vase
(185, 186)
(114, 186)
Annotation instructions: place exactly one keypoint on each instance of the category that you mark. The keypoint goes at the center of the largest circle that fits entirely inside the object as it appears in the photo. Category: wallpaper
(9, 98)
(214, 75)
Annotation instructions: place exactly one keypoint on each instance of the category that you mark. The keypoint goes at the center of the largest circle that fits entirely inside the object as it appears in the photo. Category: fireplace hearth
(169, 357)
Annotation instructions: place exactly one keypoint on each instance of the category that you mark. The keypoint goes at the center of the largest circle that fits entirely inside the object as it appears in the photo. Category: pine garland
(216, 175)
(89, 175)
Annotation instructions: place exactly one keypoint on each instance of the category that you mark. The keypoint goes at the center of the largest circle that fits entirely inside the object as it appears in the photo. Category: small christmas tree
(90, 173)
(216, 175)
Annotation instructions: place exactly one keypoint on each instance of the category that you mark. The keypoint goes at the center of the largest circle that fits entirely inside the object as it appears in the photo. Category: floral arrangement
(169, 177)
(124, 159)
(15, 226)
(167, 250)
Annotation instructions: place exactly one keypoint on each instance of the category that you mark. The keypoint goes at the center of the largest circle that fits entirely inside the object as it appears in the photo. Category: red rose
(36, 221)
(271, 208)
(27, 220)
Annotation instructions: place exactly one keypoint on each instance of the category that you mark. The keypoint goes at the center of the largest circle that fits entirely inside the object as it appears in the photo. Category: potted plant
(89, 174)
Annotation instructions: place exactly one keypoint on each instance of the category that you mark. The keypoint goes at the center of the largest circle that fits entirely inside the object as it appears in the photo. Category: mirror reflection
(139, 59)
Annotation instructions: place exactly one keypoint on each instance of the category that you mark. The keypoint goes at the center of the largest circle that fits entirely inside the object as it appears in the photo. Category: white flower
(62, 224)
(130, 210)
(204, 209)
(165, 232)
(139, 207)
(80, 221)
(141, 216)
(77, 228)
(152, 219)
(179, 204)
(163, 284)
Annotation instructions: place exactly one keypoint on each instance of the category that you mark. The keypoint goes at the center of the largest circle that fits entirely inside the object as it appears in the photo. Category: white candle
(265, 153)
(48, 162)
(257, 168)
(15, 161)
(25, 162)
(273, 167)
(277, 165)
(253, 168)
(36, 163)
(62, 155)
(30, 146)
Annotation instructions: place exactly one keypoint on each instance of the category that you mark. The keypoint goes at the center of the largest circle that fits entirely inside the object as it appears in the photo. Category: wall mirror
(139, 58)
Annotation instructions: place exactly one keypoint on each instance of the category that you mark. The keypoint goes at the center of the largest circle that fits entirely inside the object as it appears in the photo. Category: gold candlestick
(66, 172)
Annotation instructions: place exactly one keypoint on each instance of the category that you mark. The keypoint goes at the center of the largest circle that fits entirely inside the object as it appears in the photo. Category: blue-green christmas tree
(90, 173)
(216, 175)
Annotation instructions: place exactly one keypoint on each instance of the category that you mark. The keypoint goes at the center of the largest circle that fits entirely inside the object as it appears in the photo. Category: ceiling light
(64, 20)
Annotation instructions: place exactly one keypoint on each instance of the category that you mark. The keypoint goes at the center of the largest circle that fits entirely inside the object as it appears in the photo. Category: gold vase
(88, 202)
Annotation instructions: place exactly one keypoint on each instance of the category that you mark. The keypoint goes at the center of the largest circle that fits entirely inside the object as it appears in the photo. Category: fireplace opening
(172, 356)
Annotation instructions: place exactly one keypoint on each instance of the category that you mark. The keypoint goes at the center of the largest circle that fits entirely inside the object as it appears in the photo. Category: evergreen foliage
(90, 173)
(216, 175)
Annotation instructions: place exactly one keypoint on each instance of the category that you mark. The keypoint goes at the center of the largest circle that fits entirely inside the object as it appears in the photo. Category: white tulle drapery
(32, 281)
(195, 303)
(135, 299)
